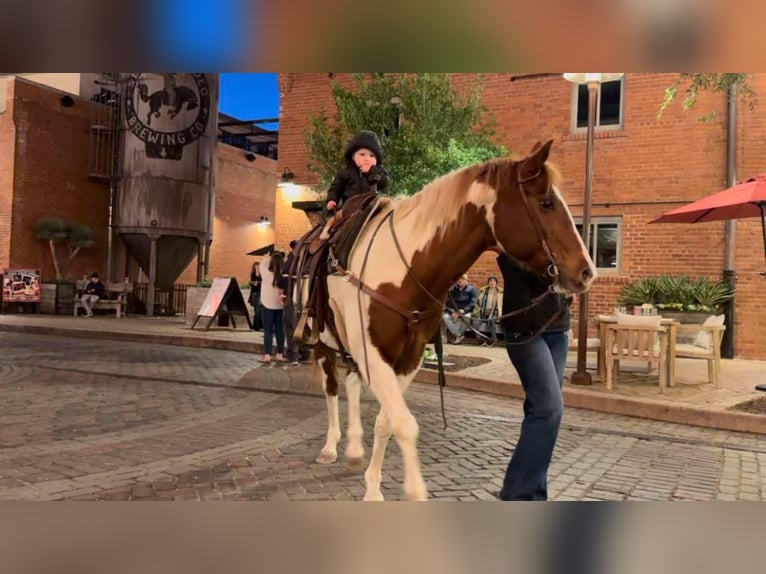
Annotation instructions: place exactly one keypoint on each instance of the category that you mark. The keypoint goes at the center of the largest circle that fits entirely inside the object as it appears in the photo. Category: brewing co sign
(180, 111)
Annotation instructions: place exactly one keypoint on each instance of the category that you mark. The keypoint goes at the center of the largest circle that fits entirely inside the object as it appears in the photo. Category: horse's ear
(535, 147)
(537, 158)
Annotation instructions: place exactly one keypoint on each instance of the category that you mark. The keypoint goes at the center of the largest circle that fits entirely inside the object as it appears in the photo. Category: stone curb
(615, 404)
(159, 339)
(573, 397)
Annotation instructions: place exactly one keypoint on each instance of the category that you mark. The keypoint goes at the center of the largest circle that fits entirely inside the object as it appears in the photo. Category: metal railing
(170, 303)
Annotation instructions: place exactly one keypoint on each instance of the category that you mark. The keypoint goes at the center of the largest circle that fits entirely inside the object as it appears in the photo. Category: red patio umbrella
(744, 200)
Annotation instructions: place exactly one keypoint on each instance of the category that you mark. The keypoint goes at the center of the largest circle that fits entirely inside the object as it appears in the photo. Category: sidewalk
(690, 401)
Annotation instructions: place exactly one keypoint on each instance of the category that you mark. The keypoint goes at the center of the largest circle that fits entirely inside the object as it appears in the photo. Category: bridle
(542, 235)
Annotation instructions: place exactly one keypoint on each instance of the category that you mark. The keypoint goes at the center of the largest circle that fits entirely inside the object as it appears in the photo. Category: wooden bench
(116, 297)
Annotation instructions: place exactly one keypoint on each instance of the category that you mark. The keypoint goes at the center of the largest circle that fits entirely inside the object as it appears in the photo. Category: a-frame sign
(224, 300)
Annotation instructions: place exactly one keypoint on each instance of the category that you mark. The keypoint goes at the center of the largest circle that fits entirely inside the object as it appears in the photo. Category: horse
(176, 96)
(388, 304)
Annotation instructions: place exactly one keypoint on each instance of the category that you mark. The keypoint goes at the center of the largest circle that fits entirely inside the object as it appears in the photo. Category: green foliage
(425, 126)
(51, 229)
(714, 83)
(677, 293)
(56, 230)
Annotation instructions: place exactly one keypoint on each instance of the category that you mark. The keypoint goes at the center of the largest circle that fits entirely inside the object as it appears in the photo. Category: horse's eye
(546, 204)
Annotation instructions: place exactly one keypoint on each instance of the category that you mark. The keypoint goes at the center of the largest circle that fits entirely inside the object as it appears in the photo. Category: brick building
(44, 151)
(643, 166)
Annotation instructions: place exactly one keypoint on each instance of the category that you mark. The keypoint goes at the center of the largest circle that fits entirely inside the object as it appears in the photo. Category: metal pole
(581, 376)
(730, 228)
(762, 207)
(152, 277)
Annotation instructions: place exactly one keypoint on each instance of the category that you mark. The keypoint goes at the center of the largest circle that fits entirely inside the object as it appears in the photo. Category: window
(605, 242)
(609, 104)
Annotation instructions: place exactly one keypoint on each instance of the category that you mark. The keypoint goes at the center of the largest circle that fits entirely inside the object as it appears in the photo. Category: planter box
(195, 296)
(685, 318)
(57, 298)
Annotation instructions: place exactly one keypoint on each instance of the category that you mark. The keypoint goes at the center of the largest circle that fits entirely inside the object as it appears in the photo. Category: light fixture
(287, 176)
(588, 77)
(581, 376)
(249, 156)
(265, 219)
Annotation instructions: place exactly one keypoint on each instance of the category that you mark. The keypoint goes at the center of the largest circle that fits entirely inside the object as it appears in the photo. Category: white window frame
(597, 126)
(595, 222)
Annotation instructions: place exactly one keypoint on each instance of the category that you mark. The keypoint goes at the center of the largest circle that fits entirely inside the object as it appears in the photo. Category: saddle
(315, 259)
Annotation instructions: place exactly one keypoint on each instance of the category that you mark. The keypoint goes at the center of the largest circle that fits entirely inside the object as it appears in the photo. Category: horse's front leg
(374, 473)
(395, 418)
(324, 361)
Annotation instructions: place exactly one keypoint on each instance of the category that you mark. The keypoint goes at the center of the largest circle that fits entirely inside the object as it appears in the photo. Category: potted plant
(58, 297)
(678, 297)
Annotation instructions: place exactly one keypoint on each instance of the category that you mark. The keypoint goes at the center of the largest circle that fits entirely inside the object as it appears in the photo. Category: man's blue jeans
(540, 364)
(455, 326)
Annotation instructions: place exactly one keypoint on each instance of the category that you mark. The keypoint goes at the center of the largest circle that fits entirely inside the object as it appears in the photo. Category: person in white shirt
(272, 304)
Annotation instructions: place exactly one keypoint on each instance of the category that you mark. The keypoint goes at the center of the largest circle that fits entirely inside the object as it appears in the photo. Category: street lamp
(581, 376)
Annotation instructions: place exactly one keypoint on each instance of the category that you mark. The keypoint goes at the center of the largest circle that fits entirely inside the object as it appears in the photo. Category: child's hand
(331, 204)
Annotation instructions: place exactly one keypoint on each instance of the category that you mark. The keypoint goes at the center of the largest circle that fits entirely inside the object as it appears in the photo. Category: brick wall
(650, 166)
(7, 152)
(51, 179)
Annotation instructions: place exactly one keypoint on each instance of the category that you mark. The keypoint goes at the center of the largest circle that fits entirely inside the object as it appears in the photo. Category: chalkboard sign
(224, 300)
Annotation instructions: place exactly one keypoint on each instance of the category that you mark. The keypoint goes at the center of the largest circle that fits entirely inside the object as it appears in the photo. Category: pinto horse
(388, 304)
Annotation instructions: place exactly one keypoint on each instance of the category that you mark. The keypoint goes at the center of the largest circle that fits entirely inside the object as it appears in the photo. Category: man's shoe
(458, 339)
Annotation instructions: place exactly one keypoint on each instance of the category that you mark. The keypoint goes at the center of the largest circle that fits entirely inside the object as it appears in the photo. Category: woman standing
(537, 344)
(255, 295)
(272, 307)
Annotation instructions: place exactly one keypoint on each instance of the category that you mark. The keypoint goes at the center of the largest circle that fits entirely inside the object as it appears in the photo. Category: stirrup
(314, 337)
(300, 328)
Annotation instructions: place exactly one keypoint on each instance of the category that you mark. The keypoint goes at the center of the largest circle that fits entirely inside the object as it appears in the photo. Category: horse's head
(532, 223)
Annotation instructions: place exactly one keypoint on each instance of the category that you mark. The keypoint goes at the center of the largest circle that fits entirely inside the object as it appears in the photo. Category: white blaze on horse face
(583, 250)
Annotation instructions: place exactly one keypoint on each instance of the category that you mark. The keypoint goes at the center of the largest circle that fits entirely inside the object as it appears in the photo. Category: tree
(55, 230)
(426, 127)
(710, 83)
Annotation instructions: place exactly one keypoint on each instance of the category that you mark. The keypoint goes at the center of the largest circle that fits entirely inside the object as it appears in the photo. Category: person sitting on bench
(94, 291)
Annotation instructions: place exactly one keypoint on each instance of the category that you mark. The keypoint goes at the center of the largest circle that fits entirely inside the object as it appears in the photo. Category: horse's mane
(444, 196)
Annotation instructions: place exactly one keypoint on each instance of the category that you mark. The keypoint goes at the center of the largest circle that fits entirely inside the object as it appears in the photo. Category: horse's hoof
(355, 464)
(327, 458)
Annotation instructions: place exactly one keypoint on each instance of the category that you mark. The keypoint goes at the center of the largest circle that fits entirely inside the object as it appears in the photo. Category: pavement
(692, 400)
(91, 418)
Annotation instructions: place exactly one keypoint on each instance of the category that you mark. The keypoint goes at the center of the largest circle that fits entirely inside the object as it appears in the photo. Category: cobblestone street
(106, 420)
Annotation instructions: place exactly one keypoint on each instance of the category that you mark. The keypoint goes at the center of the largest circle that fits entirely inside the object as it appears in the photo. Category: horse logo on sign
(167, 116)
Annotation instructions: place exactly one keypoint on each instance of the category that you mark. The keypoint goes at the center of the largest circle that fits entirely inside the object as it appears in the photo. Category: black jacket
(520, 287)
(349, 180)
(96, 288)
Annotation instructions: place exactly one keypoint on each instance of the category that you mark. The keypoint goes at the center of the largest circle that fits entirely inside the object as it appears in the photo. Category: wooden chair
(706, 346)
(636, 342)
(591, 344)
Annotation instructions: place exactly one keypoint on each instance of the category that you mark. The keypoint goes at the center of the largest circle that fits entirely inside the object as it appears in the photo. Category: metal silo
(165, 197)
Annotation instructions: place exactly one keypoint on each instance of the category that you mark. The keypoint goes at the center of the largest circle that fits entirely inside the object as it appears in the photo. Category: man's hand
(331, 204)
(455, 315)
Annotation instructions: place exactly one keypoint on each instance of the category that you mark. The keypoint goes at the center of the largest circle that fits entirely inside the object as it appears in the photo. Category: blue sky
(250, 97)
